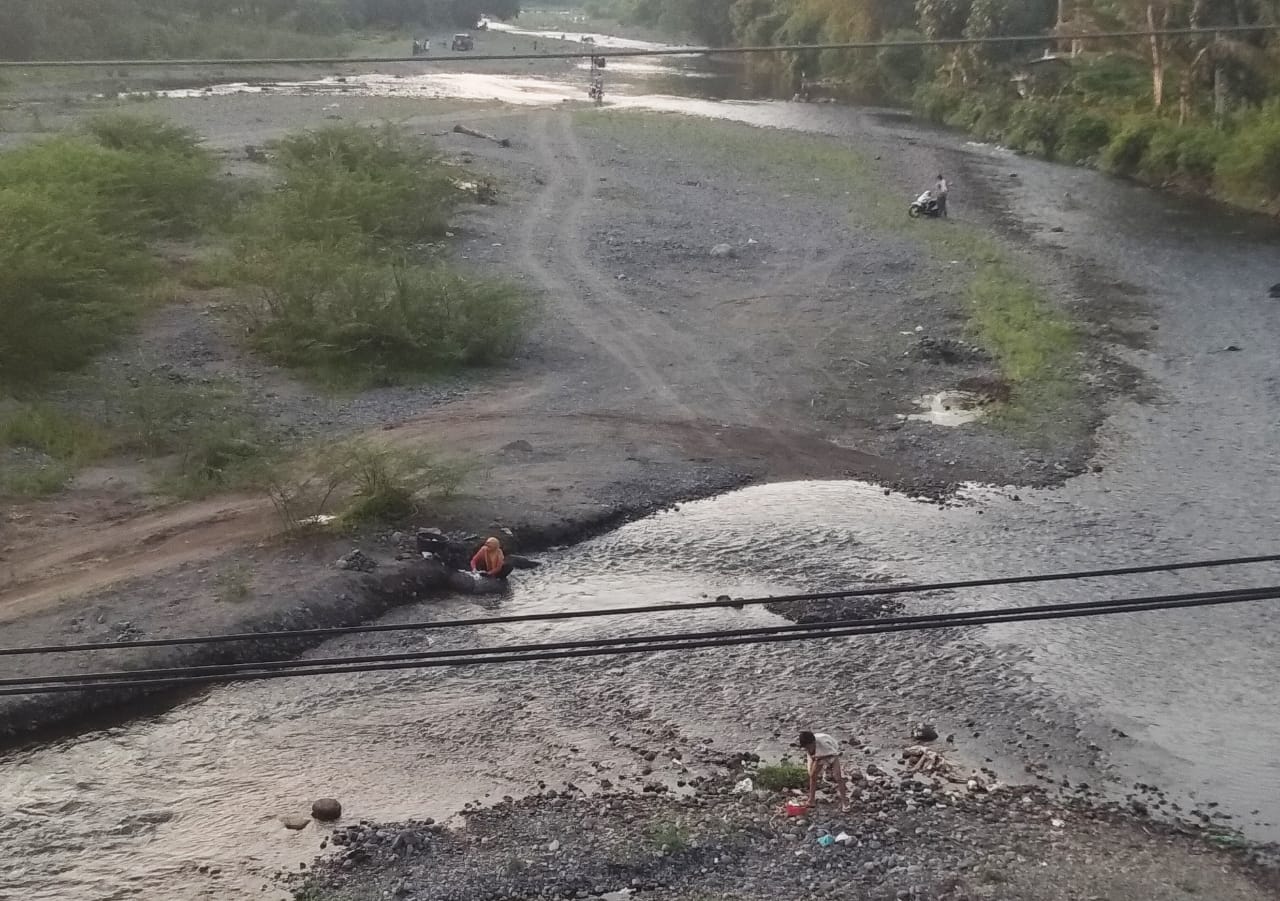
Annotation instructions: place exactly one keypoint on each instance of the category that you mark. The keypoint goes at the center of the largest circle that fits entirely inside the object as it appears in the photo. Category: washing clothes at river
(474, 570)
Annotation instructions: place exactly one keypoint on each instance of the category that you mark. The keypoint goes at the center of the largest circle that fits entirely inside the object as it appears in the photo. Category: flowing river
(185, 803)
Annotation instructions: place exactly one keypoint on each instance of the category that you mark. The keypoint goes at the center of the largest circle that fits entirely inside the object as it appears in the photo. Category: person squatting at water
(824, 756)
(491, 561)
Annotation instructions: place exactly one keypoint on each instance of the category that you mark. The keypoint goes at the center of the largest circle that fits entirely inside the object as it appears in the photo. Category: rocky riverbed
(906, 837)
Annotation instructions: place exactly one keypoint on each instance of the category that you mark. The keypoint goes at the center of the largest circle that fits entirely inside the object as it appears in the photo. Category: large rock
(723, 252)
(326, 810)
(295, 822)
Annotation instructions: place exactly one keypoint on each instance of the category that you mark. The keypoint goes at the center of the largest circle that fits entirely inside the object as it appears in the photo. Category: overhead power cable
(876, 591)
(591, 50)
(689, 641)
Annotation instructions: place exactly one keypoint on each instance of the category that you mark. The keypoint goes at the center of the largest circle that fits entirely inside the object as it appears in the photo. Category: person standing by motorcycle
(940, 195)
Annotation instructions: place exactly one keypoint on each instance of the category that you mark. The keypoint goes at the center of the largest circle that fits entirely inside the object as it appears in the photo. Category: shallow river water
(185, 804)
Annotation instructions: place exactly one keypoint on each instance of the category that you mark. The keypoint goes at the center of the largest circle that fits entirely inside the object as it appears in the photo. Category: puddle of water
(948, 408)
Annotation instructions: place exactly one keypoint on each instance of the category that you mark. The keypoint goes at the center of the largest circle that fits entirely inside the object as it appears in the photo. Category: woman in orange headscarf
(490, 560)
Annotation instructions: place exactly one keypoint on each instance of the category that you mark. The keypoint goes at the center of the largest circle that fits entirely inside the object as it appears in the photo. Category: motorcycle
(925, 205)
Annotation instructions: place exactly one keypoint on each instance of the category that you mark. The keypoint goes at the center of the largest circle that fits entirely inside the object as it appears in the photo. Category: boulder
(294, 822)
(723, 252)
(326, 810)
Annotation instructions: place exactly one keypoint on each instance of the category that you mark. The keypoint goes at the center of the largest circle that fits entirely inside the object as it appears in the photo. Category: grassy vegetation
(780, 777)
(336, 267)
(358, 481)
(671, 836)
(342, 285)
(75, 216)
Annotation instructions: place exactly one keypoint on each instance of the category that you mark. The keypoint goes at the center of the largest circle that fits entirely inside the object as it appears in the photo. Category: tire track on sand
(550, 231)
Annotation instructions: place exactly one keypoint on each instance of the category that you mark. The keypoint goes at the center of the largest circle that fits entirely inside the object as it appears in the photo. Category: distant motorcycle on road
(925, 205)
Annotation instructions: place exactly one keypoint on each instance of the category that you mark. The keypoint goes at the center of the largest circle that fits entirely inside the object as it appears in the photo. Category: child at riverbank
(823, 752)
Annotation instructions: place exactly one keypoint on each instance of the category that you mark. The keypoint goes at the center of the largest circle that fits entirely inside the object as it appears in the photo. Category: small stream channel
(185, 804)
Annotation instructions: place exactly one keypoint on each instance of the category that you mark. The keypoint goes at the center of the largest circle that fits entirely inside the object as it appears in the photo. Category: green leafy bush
(1084, 136)
(1035, 127)
(1123, 154)
(347, 319)
(1249, 166)
(378, 183)
(66, 282)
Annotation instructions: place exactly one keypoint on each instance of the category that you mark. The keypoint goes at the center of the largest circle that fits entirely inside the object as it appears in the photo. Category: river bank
(904, 838)
(697, 334)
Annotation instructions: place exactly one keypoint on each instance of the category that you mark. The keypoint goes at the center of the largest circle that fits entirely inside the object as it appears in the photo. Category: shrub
(66, 282)
(1084, 136)
(131, 189)
(1123, 154)
(1034, 127)
(781, 777)
(1159, 162)
(672, 837)
(1249, 167)
(331, 312)
(377, 182)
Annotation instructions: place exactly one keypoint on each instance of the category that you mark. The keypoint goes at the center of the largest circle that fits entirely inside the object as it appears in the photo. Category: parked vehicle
(462, 42)
(925, 205)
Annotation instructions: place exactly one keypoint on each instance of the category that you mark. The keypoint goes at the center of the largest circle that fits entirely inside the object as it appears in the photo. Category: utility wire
(589, 51)
(737, 603)
(655, 644)
(1239, 594)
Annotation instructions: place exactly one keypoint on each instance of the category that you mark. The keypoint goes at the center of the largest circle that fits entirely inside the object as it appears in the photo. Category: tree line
(70, 29)
(1199, 111)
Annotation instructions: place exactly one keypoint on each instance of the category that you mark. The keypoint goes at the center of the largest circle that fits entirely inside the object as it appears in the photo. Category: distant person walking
(824, 757)
(940, 194)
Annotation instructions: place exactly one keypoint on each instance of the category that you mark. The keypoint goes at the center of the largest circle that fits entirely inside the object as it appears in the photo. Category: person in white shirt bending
(824, 756)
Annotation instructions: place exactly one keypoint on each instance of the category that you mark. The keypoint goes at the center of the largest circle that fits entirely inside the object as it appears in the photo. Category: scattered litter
(919, 328)
(744, 787)
(795, 809)
(1057, 823)
(844, 838)
(921, 760)
(826, 841)
(554, 846)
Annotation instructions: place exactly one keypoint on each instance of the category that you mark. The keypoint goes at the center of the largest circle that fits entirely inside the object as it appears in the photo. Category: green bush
(67, 282)
(1159, 162)
(132, 189)
(380, 183)
(1035, 127)
(1198, 157)
(1249, 167)
(1084, 136)
(1123, 154)
(349, 320)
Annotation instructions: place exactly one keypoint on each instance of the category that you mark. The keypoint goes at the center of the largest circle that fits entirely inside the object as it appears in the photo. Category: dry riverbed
(905, 838)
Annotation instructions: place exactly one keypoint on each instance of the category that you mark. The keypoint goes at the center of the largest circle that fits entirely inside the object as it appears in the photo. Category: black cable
(669, 51)
(1242, 594)
(878, 591)
(614, 650)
